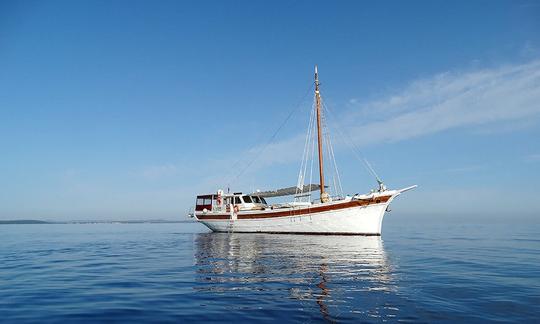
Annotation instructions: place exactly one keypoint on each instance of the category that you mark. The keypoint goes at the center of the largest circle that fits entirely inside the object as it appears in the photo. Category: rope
(336, 170)
(305, 155)
(357, 153)
(312, 159)
(273, 136)
(309, 150)
(336, 179)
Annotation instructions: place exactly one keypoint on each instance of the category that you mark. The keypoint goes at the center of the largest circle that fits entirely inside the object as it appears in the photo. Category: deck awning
(286, 191)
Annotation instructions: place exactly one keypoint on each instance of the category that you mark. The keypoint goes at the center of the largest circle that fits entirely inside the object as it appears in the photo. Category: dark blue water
(418, 271)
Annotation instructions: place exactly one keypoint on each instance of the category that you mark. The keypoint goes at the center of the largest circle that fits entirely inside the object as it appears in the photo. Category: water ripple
(169, 273)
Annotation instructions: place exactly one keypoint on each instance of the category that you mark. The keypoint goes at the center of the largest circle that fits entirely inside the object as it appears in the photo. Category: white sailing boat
(358, 214)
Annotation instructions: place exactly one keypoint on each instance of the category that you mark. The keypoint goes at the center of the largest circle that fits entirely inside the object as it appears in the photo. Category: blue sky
(128, 109)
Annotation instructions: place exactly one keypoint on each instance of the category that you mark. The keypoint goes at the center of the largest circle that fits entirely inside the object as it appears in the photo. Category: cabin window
(237, 200)
(256, 199)
(247, 199)
(204, 202)
(263, 201)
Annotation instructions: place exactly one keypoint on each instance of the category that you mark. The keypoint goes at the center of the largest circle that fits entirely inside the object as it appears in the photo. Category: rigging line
(305, 157)
(336, 170)
(312, 157)
(326, 137)
(274, 134)
(373, 171)
(310, 144)
(311, 148)
(331, 162)
(357, 153)
(333, 156)
(261, 135)
(338, 189)
(306, 154)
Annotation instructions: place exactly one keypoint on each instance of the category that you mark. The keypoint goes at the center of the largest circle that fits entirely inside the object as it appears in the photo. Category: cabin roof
(287, 191)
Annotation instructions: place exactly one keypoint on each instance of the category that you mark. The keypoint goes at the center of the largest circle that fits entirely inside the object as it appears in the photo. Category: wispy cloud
(502, 95)
(506, 127)
(465, 169)
(533, 157)
(452, 100)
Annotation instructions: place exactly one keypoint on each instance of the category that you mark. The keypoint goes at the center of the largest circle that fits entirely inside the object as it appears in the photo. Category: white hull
(357, 220)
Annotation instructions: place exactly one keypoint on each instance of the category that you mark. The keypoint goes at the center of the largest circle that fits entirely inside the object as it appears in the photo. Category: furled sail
(287, 191)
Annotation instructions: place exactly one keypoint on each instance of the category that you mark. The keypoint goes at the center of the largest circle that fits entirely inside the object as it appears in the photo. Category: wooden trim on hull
(298, 212)
(304, 233)
(213, 217)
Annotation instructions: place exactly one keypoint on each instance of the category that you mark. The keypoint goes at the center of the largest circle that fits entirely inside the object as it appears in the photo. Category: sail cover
(286, 191)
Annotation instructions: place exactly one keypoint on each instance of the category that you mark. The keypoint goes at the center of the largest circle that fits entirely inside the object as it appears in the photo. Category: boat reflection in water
(336, 277)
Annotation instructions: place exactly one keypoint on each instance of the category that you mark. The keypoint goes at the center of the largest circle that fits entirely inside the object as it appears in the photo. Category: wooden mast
(324, 196)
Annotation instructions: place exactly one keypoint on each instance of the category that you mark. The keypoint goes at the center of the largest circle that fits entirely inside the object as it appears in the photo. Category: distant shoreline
(33, 221)
(23, 221)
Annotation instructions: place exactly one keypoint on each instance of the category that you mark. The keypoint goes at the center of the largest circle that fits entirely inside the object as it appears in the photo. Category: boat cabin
(221, 202)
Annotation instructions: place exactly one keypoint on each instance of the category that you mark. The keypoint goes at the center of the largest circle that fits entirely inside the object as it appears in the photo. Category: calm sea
(427, 271)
